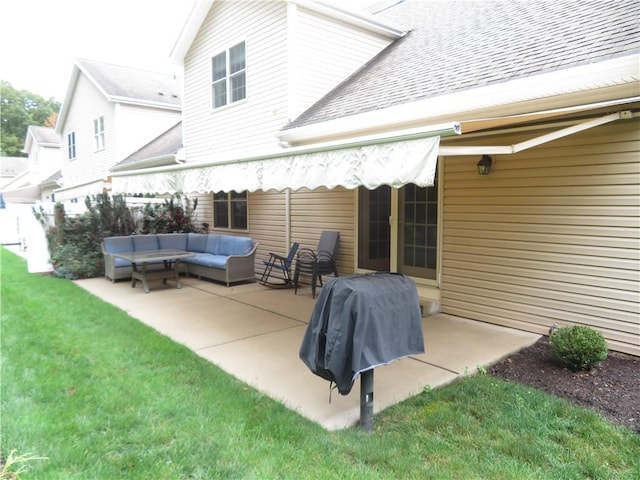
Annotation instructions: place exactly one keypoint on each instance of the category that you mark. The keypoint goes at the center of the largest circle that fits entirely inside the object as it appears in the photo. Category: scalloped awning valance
(394, 163)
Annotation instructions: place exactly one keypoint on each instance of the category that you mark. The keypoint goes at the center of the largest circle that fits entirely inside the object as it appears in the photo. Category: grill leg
(366, 400)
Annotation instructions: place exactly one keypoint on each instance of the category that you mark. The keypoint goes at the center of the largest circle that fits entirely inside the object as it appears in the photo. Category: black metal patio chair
(282, 266)
(319, 262)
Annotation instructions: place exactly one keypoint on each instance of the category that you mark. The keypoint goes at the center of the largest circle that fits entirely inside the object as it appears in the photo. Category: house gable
(133, 107)
(296, 52)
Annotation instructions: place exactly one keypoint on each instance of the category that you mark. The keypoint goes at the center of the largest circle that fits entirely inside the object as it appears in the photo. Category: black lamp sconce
(484, 165)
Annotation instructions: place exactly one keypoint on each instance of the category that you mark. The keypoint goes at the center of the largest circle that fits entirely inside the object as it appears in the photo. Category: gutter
(161, 160)
(351, 17)
(445, 129)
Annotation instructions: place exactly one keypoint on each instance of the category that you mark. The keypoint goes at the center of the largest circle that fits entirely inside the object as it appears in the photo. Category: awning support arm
(534, 142)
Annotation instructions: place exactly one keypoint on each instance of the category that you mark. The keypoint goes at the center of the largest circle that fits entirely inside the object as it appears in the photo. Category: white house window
(98, 133)
(228, 76)
(71, 144)
(230, 210)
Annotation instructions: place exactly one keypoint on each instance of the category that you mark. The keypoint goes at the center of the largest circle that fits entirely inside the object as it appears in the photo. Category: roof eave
(619, 75)
(159, 161)
(144, 103)
(64, 108)
(362, 20)
(187, 35)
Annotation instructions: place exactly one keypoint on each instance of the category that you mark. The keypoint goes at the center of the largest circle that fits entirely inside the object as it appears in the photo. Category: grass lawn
(102, 396)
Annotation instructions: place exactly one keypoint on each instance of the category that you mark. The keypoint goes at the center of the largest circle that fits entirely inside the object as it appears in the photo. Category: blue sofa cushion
(230, 245)
(172, 241)
(208, 260)
(143, 243)
(197, 242)
(121, 262)
(118, 244)
(213, 244)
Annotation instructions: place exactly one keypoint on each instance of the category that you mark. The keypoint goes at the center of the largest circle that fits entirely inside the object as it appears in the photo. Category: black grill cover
(361, 322)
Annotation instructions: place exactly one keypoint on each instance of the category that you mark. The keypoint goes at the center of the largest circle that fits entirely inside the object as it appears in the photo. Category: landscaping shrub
(174, 215)
(578, 347)
(75, 241)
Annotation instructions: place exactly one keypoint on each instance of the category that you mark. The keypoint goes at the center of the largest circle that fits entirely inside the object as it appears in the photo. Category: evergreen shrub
(578, 347)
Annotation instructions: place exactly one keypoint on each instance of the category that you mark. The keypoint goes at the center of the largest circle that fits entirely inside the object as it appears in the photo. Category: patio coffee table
(140, 261)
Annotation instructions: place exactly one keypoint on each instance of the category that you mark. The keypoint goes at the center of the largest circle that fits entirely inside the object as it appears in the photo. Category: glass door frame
(394, 223)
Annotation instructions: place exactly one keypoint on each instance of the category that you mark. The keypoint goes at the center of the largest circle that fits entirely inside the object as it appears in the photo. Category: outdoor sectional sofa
(225, 258)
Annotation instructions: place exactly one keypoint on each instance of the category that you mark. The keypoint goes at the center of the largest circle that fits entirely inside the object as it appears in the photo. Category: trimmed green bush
(578, 347)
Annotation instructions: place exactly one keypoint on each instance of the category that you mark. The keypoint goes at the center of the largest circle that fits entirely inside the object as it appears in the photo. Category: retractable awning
(367, 163)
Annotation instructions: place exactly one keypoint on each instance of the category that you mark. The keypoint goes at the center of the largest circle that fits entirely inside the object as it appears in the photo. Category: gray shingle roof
(135, 84)
(166, 144)
(462, 44)
(44, 135)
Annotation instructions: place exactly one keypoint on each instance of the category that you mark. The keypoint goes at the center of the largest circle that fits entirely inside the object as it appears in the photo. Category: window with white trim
(228, 76)
(230, 210)
(71, 145)
(98, 133)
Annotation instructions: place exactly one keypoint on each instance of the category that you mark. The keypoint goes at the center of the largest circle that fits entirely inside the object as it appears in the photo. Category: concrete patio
(254, 333)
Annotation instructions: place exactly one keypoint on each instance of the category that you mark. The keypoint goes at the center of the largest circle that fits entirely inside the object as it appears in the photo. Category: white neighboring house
(109, 112)
(42, 145)
(15, 178)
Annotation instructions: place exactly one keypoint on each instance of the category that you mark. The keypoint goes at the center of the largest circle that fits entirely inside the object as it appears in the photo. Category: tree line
(18, 110)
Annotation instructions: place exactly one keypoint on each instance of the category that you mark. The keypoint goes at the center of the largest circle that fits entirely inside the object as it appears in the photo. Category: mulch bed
(611, 389)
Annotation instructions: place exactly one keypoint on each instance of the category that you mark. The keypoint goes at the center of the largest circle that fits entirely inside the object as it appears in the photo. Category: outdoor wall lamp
(484, 165)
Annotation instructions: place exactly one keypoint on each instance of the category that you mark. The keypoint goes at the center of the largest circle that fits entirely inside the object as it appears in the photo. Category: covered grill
(359, 323)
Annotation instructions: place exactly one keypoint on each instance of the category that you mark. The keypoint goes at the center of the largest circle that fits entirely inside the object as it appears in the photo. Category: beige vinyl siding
(311, 213)
(246, 127)
(267, 224)
(324, 209)
(326, 53)
(552, 235)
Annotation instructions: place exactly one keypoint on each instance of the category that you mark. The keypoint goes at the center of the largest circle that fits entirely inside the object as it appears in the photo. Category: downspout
(292, 101)
(287, 217)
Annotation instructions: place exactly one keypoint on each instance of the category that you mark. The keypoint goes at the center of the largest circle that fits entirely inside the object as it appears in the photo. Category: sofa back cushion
(172, 241)
(143, 243)
(197, 242)
(118, 244)
(213, 244)
(231, 245)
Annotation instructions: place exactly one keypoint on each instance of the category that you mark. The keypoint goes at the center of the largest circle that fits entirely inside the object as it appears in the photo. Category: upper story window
(71, 145)
(228, 76)
(230, 210)
(98, 133)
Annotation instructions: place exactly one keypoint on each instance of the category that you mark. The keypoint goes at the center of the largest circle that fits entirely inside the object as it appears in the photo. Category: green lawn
(104, 397)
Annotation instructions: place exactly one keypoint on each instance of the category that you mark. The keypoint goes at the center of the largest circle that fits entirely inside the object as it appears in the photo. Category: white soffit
(392, 163)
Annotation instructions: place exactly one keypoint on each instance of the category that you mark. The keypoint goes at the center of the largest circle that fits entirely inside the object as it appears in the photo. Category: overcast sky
(40, 39)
